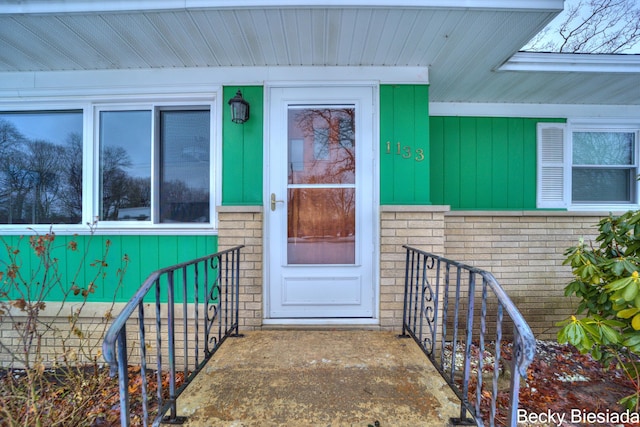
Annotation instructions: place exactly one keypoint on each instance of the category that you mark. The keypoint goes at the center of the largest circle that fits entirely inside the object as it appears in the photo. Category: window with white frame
(138, 165)
(154, 165)
(586, 165)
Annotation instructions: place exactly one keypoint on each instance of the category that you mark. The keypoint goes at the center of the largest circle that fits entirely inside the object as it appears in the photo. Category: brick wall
(57, 340)
(418, 226)
(524, 251)
(242, 225)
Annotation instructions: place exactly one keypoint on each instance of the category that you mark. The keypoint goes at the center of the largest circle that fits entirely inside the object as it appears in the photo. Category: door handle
(274, 201)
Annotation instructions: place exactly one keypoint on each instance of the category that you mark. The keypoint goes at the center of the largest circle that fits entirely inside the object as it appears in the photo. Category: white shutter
(552, 168)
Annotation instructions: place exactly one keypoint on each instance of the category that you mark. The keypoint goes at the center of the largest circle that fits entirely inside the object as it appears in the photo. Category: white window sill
(604, 208)
(110, 229)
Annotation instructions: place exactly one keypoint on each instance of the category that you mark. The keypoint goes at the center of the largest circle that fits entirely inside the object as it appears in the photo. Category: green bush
(607, 282)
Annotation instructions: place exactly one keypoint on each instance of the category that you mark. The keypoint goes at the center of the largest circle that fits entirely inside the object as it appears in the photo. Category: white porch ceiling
(462, 45)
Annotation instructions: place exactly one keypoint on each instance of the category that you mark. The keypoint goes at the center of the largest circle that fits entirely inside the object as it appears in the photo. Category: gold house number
(405, 151)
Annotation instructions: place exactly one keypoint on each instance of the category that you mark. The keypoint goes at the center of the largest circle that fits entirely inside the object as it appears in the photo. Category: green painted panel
(136, 249)
(404, 144)
(146, 254)
(484, 169)
(400, 145)
(422, 158)
(468, 165)
(529, 156)
(499, 162)
(436, 162)
(242, 150)
(452, 160)
(387, 165)
(515, 163)
(484, 162)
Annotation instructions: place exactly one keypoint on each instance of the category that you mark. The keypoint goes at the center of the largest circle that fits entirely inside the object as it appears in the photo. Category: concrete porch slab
(318, 378)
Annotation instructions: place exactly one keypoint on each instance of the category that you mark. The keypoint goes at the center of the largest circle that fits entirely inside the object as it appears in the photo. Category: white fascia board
(78, 6)
(22, 85)
(568, 111)
(572, 62)
(537, 5)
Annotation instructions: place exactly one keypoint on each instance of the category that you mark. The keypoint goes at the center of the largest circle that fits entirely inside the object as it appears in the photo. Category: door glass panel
(321, 145)
(321, 176)
(321, 226)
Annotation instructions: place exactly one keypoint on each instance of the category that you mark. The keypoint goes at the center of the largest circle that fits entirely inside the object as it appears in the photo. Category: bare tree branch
(591, 26)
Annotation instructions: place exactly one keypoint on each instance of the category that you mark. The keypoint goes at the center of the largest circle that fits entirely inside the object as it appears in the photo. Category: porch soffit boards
(451, 37)
(461, 42)
(550, 78)
(331, 33)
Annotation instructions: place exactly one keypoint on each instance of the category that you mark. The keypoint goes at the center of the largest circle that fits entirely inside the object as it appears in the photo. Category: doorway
(321, 217)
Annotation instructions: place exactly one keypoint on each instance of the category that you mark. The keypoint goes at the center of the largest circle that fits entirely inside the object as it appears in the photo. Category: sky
(43, 126)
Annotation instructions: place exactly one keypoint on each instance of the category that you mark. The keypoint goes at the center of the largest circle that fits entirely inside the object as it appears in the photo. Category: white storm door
(320, 203)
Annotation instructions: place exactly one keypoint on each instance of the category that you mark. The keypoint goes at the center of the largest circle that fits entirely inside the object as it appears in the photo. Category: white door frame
(373, 228)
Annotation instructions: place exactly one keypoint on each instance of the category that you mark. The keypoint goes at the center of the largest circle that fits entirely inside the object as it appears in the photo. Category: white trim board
(533, 110)
(321, 322)
(572, 62)
(68, 6)
(23, 85)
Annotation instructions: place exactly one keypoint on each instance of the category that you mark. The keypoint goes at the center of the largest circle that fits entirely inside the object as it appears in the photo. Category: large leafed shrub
(607, 283)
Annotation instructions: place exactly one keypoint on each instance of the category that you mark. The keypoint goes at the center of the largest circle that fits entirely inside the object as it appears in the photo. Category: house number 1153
(405, 151)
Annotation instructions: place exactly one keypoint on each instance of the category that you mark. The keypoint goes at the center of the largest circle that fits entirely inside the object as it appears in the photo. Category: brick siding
(243, 225)
(419, 226)
(524, 251)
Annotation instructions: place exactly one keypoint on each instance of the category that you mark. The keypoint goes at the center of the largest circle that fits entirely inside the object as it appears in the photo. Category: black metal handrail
(208, 288)
(456, 314)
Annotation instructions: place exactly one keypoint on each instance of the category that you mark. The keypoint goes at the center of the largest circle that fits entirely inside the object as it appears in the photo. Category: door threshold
(337, 323)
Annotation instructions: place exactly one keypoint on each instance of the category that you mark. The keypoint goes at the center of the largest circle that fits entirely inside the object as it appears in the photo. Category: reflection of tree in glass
(41, 182)
(330, 211)
(14, 183)
(72, 164)
(181, 203)
(120, 190)
(602, 148)
(338, 127)
(35, 179)
(113, 162)
(45, 174)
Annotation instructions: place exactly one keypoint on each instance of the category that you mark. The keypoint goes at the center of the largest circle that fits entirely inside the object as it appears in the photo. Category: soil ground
(561, 380)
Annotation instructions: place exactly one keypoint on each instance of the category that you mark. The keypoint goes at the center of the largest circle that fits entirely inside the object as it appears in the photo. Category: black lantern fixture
(239, 108)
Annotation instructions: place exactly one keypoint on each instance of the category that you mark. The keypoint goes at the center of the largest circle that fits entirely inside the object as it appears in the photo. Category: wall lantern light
(239, 108)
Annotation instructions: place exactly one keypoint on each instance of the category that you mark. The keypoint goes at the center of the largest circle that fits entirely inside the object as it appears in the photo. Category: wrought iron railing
(471, 331)
(199, 297)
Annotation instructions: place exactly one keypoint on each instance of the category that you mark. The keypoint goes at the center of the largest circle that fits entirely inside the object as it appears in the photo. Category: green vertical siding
(404, 113)
(468, 162)
(484, 162)
(404, 144)
(146, 254)
(242, 150)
